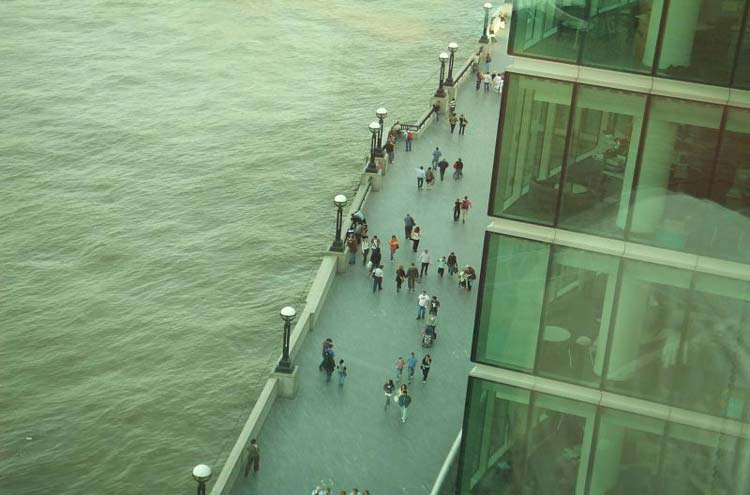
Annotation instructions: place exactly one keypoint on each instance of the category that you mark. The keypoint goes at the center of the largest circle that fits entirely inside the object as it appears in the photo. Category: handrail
(461, 74)
(449, 460)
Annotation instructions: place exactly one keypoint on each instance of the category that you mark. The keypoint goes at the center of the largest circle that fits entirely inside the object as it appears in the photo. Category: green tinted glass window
(532, 148)
(512, 291)
(742, 69)
(601, 160)
(551, 29)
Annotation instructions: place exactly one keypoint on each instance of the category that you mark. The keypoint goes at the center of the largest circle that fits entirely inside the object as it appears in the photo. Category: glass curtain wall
(519, 442)
(699, 43)
(638, 329)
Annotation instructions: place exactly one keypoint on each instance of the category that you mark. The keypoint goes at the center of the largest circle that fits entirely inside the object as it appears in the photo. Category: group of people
(492, 80)
(329, 365)
(426, 177)
(329, 491)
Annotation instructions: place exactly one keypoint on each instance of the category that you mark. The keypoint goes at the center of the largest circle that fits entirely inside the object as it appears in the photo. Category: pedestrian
(253, 457)
(457, 209)
(498, 83)
(422, 300)
(390, 149)
(452, 264)
(342, 372)
(411, 365)
(424, 259)
(351, 244)
(327, 347)
(436, 156)
(429, 177)
(328, 366)
(409, 139)
(375, 243)
(487, 80)
(442, 165)
(434, 305)
(400, 276)
(389, 387)
(441, 264)
(404, 401)
(431, 324)
(408, 225)
(375, 258)
(420, 178)
(377, 278)
(436, 111)
(411, 276)
(365, 249)
(400, 364)
(393, 244)
(458, 168)
(452, 106)
(452, 120)
(478, 78)
(425, 367)
(471, 275)
(462, 121)
(358, 232)
(465, 207)
(416, 235)
(487, 61)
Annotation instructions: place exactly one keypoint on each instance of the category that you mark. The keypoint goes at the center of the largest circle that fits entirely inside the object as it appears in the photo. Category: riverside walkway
(340, 436)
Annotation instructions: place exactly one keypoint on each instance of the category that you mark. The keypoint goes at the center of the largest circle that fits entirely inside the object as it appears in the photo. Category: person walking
(422, 300)
(375, 243)
(487, 61)
(452, 120)
(327, 348)
(409, 139)
(351, 245)
(487, 80)
(377, 278)
(342, 372)
(441, 264)
(465, 207)
(420, 178)
(478, 78)
(411, 276)
(424, 259)
(328, 366)
(429, 177)
(408, 225)
(375, 258)
(400, 276)
(416, 236)
(457, 209)
(458, 169)
(452, 106)
(253, 457)
(425, 367)
(452, 264)
(404, 401)
(436, 156)
(462, 121)
(390, 150)
(400, 365)
(388, 388)
(393, 245)
(365, 249)
(411, 365)
(434, 305)
(442, 165)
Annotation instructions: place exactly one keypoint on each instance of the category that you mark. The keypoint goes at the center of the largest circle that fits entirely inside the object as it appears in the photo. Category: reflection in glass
(700, 41)
(676, 167)
(579, 300)
(548, 28)
(714, 375)
(512, 295)
(601, 160)
(742, 74)
(533, 144)
(616, 35)
(729, 235)
(646, 340)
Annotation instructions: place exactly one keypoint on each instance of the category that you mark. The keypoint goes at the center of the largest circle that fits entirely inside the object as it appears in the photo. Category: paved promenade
(341, 436)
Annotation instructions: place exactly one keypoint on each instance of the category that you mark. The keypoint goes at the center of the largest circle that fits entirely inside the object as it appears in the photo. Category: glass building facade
(612, 331)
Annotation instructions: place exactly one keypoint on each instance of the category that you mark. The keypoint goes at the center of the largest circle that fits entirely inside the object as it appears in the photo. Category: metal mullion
(662, 453)
(464, 436)
(660, 37)
(683, 339)
(480, 297)
(638, 165)
(542, 319)
(499, 142)
(566, 149)
(740, 41)
(592, 448)
(612, 322)
(717, 153)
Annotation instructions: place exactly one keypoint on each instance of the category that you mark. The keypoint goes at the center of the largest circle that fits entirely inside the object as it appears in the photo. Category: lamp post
(381, 114)
(285, 364)
(340, 202)
(374, 130)
(452, 47)
(201, 474)
(487, 6)
(440, 93)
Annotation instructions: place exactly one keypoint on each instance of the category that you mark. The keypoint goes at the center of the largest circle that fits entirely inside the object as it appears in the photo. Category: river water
(166, 175)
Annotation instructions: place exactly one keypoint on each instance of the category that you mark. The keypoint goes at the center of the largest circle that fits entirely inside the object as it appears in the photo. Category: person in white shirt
(377, 278)
(486, 79)
(420, 178)
(424, 259)
(422, 301)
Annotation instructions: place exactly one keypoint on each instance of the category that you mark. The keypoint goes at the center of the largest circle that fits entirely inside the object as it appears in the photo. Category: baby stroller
(429, 335)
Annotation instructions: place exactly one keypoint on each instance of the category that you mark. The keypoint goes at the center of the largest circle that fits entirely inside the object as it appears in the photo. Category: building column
(606, 468)
(629, 174)
(677, 48)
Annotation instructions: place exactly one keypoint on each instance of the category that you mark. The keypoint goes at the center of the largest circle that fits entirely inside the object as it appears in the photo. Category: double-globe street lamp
(285, 364)
(485, 39)
(340, 202)
(201, 474)
(374, 131)
(443, 57)
(452, 47)
(381, 113)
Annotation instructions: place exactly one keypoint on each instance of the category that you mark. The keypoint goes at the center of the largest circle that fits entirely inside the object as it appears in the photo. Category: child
(393, 243)
(342, 373)
(441, 264)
